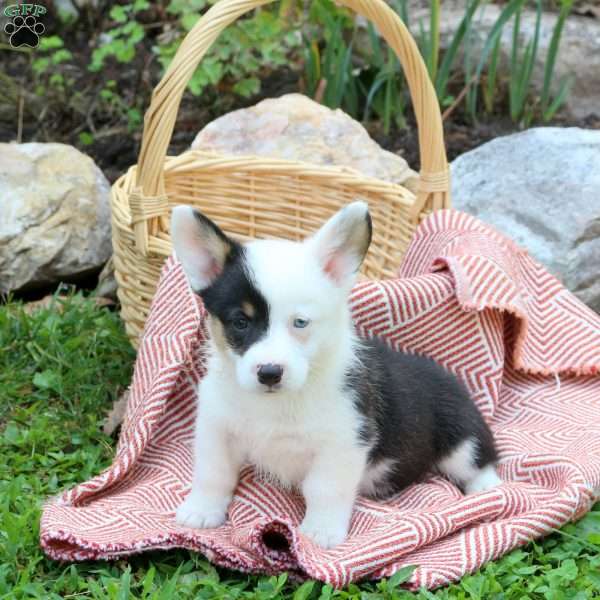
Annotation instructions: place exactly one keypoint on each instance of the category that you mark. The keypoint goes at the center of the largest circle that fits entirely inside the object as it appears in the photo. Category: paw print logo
(24, 31)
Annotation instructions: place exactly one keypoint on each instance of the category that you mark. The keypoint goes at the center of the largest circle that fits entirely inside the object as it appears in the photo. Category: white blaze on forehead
(287, 274)
(321, 269)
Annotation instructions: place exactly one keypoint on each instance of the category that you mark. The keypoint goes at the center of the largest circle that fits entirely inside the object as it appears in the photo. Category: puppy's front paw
(199, 513)
(324, 531)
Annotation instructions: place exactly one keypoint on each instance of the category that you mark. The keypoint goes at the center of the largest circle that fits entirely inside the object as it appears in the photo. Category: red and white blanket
(526, 348)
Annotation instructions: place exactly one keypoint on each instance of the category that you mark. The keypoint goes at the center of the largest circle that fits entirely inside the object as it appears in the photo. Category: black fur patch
(210, 228)
(415, 414)
(225, 297)
(369, 237)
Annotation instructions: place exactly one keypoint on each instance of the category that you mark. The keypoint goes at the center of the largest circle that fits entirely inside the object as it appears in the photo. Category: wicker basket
(257, 197)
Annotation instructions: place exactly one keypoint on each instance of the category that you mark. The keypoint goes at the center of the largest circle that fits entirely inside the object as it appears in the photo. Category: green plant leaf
(565, 9)
(594, 538)
(61, 56)
(375, 45)
(380, 80)
(489, 90)
(40, 65)
(401, 576)
(52, 42)
(443, 74)
(505, 15)
(247, 87)
(47, 380)
(11, 433)
(304, 591)
(312, 67)
(119, 13)
(188, 21)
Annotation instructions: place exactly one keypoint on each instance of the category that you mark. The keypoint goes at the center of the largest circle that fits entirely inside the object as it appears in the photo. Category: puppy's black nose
(270, 374)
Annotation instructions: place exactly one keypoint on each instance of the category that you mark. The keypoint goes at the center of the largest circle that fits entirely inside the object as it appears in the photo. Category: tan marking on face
(248, 309)
(215, 328)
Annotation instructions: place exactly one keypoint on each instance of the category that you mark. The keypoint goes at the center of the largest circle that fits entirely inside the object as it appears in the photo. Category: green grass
(59, 373)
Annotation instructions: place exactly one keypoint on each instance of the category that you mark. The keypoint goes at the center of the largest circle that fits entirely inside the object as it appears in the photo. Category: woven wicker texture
(251, 197)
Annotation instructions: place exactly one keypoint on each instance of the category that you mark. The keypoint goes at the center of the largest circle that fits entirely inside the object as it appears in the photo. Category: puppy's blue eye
(240, 323)
(300, 323)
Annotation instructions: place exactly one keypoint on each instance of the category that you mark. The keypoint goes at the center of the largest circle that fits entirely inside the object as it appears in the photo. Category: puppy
(292, 390)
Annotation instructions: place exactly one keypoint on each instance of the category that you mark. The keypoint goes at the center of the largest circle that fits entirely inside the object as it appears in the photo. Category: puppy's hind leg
(462, 466)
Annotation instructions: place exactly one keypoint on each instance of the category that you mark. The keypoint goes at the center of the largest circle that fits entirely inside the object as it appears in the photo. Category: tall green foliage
(551, 103)
(524, 103)
(240, 53)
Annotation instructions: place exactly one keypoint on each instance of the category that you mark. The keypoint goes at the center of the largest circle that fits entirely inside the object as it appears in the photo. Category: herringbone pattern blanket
(527, 349)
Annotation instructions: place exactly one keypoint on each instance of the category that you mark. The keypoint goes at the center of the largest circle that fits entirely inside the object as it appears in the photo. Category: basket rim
(127, 211)
(216, 162)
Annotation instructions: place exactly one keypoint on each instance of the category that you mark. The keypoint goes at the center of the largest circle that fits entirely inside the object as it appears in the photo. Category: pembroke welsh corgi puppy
(292, 390)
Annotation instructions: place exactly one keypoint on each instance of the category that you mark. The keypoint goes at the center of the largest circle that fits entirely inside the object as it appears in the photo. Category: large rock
(54, 217)
(297, 128)
(541, 188)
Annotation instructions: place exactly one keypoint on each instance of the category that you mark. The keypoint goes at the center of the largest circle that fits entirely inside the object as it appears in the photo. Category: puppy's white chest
(281, 435)
(279, 453)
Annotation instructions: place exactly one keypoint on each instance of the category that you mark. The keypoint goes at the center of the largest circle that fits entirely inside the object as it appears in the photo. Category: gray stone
(541, 188)
(54, 217)
(295, 127)
(107, 284)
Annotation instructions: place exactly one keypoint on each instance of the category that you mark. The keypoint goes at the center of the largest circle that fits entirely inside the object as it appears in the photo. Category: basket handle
(148, 201)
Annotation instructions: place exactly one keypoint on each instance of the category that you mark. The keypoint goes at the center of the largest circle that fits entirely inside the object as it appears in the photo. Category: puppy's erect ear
(200, 246)
(342, 243)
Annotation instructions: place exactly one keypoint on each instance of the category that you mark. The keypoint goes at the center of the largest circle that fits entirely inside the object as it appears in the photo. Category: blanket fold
(526, 348)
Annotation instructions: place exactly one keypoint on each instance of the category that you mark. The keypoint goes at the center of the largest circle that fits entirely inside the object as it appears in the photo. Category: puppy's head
(278, 308)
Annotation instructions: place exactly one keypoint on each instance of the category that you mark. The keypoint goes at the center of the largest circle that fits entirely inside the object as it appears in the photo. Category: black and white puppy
(293, 391)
